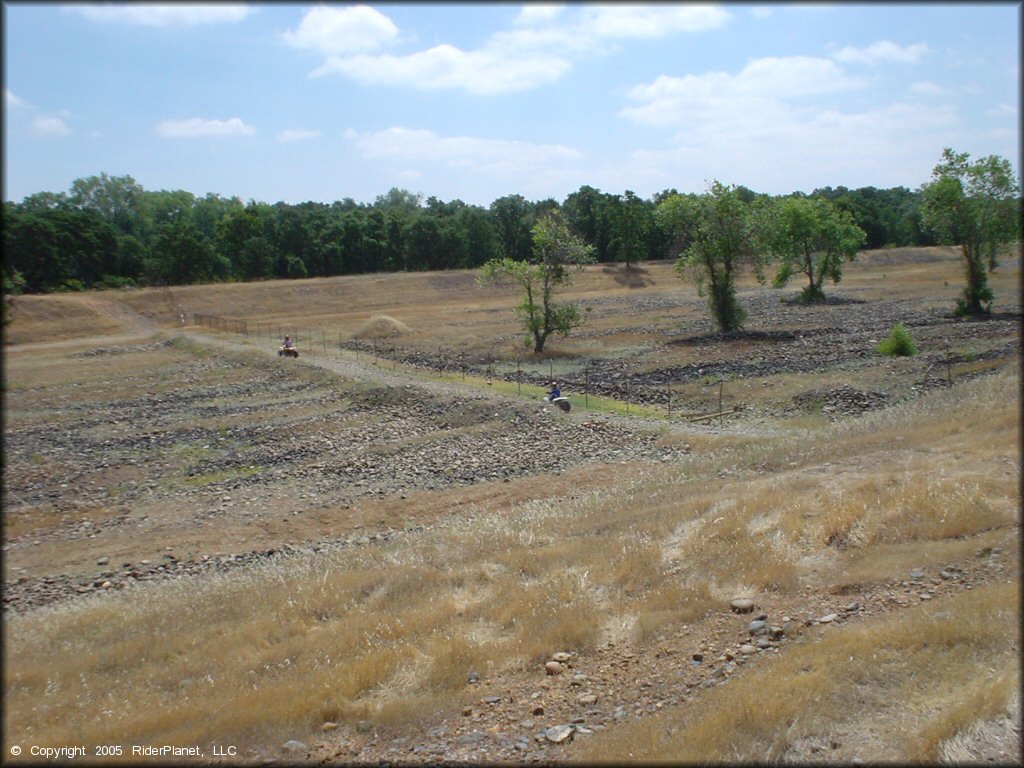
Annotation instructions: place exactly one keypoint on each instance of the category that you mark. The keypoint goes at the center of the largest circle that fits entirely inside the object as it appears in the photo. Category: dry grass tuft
(381, 327)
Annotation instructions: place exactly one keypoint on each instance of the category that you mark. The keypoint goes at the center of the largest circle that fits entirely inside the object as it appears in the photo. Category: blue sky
(294, 102)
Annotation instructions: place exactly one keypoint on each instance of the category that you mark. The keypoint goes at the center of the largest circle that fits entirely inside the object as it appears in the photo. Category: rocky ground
(533, 717)
(314, 447)
(839, 335)
(276, 453)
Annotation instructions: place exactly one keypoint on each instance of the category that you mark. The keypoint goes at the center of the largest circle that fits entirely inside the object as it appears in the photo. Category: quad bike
(561, 402)
(287, 352)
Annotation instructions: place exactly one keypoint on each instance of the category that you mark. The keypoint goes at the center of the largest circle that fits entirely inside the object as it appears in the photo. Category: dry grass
(392, 633)
(506, 576)
(928, 665)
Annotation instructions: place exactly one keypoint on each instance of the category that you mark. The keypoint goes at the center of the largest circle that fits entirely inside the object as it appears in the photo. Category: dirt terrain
(144, 450)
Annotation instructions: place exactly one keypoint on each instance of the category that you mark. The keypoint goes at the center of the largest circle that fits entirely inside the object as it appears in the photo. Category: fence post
(721, 384)
(669, 384)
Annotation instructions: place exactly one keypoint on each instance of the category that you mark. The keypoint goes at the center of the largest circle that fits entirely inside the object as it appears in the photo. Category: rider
(554, 392)
(288, 343)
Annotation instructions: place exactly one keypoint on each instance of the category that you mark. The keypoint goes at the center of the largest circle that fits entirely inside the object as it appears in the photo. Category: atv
(561, 402)
(287, 352)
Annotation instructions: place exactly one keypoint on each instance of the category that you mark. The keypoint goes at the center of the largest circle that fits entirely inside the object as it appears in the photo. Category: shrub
(899, 343)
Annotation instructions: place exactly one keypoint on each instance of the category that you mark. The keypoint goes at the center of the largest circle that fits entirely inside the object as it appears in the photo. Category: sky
(322, 102)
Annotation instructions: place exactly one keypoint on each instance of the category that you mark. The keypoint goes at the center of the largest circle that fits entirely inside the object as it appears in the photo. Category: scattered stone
(553, 668)
(293, 745)
(561, 656)
(828, 619)
(746, 649)
(473, 737)
(329, 726)
(757, 627)
(742, 605)
(556, 734)
(364, 726)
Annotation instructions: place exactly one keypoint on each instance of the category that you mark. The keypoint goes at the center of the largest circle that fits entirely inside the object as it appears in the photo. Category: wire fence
(683, 392)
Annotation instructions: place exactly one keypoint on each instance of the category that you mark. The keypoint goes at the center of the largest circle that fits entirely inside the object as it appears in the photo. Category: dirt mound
(381, 327)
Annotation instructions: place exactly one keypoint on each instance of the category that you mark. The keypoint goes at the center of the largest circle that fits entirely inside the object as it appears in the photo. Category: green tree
(977, 206)
(632, 222)
(184, 255)
(808, 235)
(556, 251)
(115, 198)
(513, 219)
(244, 238)
(719, 230)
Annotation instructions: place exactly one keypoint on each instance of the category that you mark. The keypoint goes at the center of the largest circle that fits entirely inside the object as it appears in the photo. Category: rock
(828, 619)
(742, 605)
(587, 698)
(561, 657)
(364, 726)
(553, 668)
(329, 726)
(473, 677)
(556, 734)
(103, 561)
(473, 737)
(746, 649)
(756, 627)
(776, 633)
(293, 745)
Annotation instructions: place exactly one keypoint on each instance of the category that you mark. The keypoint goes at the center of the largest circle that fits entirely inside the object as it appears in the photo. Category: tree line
(107, 231)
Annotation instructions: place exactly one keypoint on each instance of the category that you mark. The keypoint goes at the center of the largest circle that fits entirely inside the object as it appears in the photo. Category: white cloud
(925, 88)
(444, 66)
(539, 13)
(48, 125)
(1002, 110)
(882, 52)
(14, 102)
(198, 127)
(804, 149)
(491, 155)
(177, 14)
(296, 134)
(783, 122)
(334, 31)
(763, 89)
(612, 22)
(537, 52)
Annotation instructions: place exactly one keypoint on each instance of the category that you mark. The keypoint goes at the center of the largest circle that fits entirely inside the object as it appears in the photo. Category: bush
(71, 285)
(899, 343)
